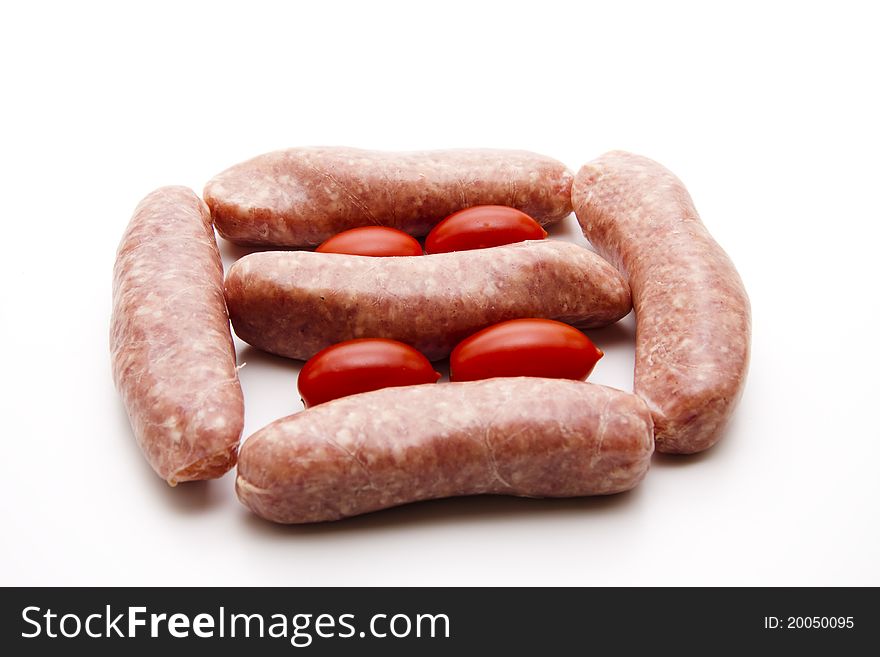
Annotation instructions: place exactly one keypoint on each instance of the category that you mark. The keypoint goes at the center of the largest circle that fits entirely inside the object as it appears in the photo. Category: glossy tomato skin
(372, 241)
(482, 226)
(354, 366)
(524, 347)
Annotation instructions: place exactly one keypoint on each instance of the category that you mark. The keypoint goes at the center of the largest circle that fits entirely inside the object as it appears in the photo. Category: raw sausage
(302, 196)
(171, 349)
(692, 311)
(296, 303)
(528, 437)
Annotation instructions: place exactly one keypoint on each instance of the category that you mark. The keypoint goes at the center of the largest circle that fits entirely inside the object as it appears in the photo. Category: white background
(768, 111)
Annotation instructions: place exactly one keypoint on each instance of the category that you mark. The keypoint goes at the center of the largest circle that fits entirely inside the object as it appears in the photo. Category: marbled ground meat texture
(171, 350)
(509, 436)
(296, 303)
(302, 196)
(692, 311)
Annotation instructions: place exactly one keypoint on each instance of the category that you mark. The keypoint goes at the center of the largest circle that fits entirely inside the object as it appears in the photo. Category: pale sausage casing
(509, 436)
(692, 311)
(171, 350)
(296, 303)
(302, 196)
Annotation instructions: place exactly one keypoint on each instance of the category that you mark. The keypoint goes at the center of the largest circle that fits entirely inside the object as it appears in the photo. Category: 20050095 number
(820, 622)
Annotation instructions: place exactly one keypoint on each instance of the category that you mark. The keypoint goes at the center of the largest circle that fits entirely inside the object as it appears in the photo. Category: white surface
(768, 111)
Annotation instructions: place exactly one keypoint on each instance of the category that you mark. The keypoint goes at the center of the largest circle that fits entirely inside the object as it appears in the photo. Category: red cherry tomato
(480, 227)
(372, 241)
(354, 366)
(524, 347)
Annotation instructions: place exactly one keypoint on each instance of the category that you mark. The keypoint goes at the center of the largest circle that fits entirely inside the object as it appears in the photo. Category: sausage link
(302, 196)
(171, 350)
(296, 303)
(692, 311)
(527, 437)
